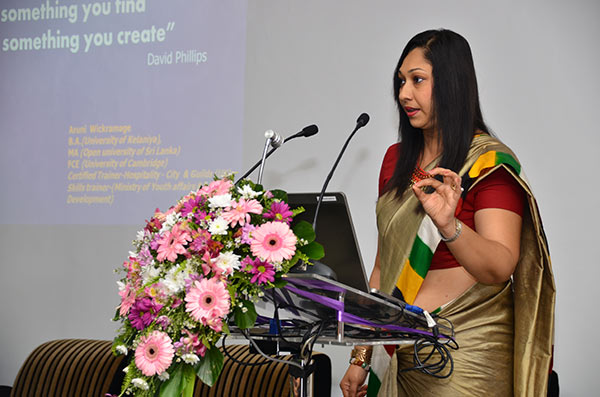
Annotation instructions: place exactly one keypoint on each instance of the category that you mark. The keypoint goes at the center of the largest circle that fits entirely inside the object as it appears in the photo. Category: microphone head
(362, 120)
(309, 130)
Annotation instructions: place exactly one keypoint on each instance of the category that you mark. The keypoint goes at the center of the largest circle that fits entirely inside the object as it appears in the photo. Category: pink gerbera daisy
(171, 244)
(154, 353)
(207, 300)
(240, 211)
(273, 242)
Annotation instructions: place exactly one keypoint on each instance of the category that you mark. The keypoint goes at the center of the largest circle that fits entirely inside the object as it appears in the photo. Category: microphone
(362, 120)
(319, 267)
(306, 132)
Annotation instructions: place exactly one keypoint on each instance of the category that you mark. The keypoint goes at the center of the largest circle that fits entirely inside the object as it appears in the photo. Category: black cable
(424, 365)
(235, 360)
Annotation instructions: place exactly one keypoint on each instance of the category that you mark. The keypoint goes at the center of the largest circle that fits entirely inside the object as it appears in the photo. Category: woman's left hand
(441, 204)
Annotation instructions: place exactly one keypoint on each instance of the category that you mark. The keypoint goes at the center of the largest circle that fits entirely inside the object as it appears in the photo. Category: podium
(325, 311)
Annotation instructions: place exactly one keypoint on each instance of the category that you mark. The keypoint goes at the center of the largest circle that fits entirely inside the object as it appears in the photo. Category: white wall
(325, 62)
(537, 62)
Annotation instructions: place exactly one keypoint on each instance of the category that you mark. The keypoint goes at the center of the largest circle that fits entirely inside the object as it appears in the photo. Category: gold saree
(504, 332)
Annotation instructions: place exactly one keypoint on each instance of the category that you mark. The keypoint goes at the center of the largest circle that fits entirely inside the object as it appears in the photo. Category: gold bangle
(361, 354)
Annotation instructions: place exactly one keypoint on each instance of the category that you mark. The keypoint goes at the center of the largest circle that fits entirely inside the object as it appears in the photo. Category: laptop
(335, 231)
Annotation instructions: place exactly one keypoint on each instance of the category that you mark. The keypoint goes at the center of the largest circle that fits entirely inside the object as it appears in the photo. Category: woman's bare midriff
(442, 286)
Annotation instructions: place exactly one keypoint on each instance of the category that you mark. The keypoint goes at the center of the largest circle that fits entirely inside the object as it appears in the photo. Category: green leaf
(175, 384)
(279, 283)
(226, 329)
(304, 230)
(280, 195)
(287, 265)
(210, 366)
(189, 375)
(247, 319)
(313, 250)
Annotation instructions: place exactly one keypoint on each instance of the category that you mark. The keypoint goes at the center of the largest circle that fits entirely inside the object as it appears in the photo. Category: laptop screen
(335, 232)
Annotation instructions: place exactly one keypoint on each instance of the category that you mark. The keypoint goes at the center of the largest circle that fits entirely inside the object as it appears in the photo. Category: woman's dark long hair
(455, 103)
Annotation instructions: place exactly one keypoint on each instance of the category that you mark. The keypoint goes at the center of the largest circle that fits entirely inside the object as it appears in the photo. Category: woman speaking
(459, 235)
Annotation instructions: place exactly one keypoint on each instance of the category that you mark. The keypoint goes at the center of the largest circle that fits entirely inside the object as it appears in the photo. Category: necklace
(419, 174)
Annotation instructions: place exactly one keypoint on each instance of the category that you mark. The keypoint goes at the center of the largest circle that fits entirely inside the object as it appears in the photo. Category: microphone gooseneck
(306, 132)
(362, 120)
(274, 140)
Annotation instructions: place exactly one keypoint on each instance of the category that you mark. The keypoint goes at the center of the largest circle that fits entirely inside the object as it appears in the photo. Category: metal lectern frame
(354, 317)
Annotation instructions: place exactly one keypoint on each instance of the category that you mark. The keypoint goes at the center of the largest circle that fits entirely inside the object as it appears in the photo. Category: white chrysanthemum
(140, 235)
(149, 273)
(175, 280)
(228, 261)
(163, 376)
(121, 285)
(220, 201)
(170, 221)
(190, 358)
(121, 349)
(140, 383)
(247, 192)
(218, 226)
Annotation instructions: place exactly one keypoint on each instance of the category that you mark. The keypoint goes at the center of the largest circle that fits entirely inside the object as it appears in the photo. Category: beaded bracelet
(361, 364)
(456, 233)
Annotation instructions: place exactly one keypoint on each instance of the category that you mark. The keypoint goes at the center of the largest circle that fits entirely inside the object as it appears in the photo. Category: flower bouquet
(195, 268)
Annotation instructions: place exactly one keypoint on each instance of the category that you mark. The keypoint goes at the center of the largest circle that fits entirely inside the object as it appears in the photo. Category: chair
(85, 367)
(70, 367)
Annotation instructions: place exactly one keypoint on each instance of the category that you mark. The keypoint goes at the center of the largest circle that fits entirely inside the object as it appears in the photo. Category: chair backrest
(70, 367)
(238, 380)
(268, 380)
(84, 367)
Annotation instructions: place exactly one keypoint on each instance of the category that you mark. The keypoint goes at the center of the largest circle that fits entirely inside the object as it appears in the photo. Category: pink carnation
(171, 244)
(207, 300)
(273, 242)
(154, 353)
(239, 212)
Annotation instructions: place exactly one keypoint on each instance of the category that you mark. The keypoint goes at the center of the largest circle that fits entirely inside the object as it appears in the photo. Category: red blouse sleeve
(388, 166)
(499, 190)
